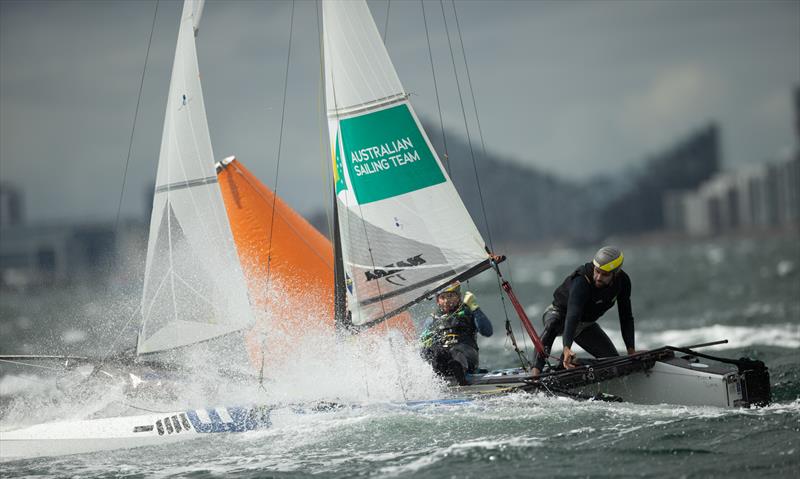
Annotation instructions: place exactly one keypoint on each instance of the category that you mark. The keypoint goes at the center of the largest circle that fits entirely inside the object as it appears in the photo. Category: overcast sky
(574, 88)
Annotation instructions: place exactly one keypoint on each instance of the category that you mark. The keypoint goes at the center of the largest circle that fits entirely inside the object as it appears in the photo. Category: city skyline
(575, 89)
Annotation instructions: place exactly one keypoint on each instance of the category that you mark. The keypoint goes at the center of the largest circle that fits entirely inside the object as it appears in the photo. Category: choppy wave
(14, 384)
(779, 335)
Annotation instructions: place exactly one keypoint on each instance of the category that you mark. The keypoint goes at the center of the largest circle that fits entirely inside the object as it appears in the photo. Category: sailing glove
(470, 301)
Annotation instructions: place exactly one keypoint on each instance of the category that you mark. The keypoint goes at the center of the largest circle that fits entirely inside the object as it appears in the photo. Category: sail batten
(402, 225)
(172, 187)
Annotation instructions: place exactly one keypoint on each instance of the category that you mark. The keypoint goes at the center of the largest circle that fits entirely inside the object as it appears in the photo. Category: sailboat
(401, 234)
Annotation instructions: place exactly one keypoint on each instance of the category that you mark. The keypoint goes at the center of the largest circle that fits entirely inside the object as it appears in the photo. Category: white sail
(404, 229)
(194, 288)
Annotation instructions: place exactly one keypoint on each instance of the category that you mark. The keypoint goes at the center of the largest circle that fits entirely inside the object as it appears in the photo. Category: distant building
(46, 254)
(683, 167)
(11, 212)
(757, 198)
(761, 197)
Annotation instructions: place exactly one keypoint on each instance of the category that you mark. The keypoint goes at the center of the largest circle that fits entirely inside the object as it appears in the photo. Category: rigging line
(386, 27)
(469, 140)
(436, 90)
(483, 150)
(280, 141)
(321, 113)
(135, 116)
(466, 128)
(277, 172)
(119, 335)
(477, 120)
(144, 409)
(20, 363)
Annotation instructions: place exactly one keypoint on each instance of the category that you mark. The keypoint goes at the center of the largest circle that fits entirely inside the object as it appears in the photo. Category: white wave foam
(72, 336)
(781, 335)
(360, 368)
(12, 384)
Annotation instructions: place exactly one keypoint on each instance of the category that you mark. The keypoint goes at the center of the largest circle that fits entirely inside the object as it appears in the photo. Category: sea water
(744, 290)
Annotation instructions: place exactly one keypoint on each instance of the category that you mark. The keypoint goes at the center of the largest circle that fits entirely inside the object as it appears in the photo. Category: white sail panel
(403, 228)
(194, 289)
(358, 70)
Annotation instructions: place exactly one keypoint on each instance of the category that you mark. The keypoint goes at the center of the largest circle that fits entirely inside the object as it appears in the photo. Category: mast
(341, 320)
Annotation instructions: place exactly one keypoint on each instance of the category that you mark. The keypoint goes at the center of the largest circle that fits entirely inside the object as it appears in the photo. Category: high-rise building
(11, 212)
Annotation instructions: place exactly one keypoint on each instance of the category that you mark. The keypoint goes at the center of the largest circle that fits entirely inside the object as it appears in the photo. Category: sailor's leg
(438, 357)
(466, 355)
(595, 341)
(553, 327)
(463, 359)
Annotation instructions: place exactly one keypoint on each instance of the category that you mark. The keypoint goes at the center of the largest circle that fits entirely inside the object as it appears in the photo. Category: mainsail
(403, 229)
(194, 288)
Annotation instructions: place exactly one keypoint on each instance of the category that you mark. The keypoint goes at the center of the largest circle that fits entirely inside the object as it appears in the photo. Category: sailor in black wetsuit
(578, 303)
(449, 340)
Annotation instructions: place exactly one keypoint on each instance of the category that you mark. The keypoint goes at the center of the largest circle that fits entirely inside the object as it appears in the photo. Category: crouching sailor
(583, 297)
(449, 339)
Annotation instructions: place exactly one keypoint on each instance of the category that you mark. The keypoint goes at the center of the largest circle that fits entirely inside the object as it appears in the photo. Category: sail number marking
(392, 271)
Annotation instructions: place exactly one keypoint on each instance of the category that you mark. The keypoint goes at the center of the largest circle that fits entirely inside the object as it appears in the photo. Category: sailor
(584, 296)
(449, 339)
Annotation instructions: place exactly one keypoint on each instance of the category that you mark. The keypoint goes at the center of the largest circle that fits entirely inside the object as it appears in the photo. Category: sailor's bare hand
(569, 358)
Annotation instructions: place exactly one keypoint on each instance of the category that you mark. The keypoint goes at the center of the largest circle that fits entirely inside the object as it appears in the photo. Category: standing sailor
(449, 340)
(578, 303)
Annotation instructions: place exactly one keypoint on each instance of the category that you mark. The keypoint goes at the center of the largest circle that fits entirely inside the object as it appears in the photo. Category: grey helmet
(608, 258)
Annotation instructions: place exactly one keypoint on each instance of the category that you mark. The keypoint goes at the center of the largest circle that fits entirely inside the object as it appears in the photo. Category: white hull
(78, 437)
(688, 381)
(674, 382)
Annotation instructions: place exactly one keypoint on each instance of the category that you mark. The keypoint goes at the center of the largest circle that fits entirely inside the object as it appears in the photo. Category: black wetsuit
(578, 304)
(452, 338)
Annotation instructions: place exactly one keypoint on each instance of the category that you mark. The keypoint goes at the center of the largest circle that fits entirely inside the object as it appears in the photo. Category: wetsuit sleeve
(579, 293)
(626, 315)
(482, 323)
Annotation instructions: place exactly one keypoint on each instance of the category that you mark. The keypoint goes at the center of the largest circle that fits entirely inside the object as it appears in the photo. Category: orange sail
(287, 263)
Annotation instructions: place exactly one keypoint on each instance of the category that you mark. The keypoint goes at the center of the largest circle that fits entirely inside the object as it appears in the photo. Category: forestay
(194, 289)
(404, 230)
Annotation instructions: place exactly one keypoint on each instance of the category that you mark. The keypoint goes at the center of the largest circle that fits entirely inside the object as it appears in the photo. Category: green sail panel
(386, 155)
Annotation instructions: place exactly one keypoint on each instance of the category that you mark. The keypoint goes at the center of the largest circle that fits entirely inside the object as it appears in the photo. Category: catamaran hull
(657, 377)
(675, 382)
(78, 437)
